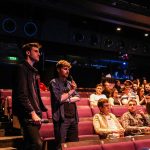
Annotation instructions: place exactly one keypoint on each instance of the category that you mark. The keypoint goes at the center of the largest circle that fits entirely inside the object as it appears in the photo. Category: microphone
(70, 78)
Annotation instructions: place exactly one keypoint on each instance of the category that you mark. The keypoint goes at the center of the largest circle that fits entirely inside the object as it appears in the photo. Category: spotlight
(30, 29)
(9, 25)
(146, 34)
(118, 29)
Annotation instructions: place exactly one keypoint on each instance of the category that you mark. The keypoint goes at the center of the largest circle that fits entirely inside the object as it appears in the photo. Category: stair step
(10, 141)
(8, 148)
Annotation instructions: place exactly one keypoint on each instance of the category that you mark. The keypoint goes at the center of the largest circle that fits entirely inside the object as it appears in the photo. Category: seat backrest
(84, 111)
(88, 147)
(47, 102)
(86, 128)
(95, 110)
(121, 145)
(83, 102)
(118, 111)
(47, 131)
(45, 93)
(140, 144)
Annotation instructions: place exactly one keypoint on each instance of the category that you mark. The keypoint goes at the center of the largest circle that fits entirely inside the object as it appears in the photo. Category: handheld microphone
(70, 78)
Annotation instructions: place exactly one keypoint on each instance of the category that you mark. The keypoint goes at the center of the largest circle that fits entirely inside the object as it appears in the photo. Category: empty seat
(118, 111)
(84, 111)
(86, 128)
(88, 147)
(47, 131)
(45, 93)
(82, 145)
(95, 110)
(83, 102)
(47, 102)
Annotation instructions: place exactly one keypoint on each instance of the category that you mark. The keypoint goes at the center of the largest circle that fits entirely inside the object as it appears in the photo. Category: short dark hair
(28, 47)
(102, 101)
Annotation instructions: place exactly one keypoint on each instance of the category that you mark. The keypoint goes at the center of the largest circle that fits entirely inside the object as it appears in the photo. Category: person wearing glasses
(134, 121)
(105, 123)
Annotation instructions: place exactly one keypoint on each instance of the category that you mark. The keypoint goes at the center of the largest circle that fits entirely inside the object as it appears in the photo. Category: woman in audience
(141, 96)
(114, 98)
(105, 123)
(97, 95)
(118, 86)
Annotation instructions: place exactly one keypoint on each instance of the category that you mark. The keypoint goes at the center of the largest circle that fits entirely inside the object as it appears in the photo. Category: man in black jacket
(27, 103)
(64, 110)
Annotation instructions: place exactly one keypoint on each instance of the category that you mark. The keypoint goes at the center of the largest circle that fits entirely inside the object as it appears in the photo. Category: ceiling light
(146, 34)
(118, 29)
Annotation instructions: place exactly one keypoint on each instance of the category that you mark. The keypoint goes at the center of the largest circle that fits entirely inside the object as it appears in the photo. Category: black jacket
(26, 93)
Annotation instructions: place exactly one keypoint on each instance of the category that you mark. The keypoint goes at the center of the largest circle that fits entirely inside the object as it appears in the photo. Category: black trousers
(66, 131)
(32, 139)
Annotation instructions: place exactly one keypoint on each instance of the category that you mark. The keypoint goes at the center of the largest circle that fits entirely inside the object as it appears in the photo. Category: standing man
(64, 110)
(27, 103)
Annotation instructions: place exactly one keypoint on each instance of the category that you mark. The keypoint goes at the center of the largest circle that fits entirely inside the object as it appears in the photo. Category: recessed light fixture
(118, 29)
(146, 34)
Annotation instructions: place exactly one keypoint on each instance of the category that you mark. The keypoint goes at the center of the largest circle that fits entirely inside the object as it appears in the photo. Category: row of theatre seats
(85, 112)
(128, 143)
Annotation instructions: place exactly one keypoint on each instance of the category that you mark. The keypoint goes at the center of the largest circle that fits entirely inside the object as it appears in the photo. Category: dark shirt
(57, 88)
(26, 93)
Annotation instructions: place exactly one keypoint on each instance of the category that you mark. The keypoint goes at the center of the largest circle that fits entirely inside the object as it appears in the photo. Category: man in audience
(134, 121)
(107, 89)
(105, 123)
(27, 103)
(97, 95)
(64, 110)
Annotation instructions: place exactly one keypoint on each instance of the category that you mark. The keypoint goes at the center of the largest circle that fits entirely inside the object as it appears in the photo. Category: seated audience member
(118, 86)
(141, 96)
(114, 98)
(128, 93)
(107, 89)
(147, 89)
(135, 87)
(148, 111)
(134, 121)
(97, 95)
(105, 123)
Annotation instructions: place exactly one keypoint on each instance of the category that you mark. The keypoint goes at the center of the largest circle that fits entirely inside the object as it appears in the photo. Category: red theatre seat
(84, 111)
(121, 145)
(83, 102)
(118, 111)
(88, 147)
(95, 110)
(47, 131)
(140, 144)
(86, 128)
